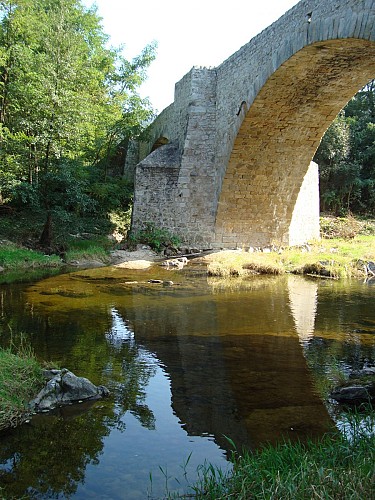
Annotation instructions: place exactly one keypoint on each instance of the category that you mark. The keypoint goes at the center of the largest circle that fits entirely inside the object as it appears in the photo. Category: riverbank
(20, 380)
(328, 258)
(336, 466)
(346, 250)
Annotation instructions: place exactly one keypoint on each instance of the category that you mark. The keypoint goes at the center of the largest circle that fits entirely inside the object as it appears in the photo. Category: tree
(346, 157)
(66, 100)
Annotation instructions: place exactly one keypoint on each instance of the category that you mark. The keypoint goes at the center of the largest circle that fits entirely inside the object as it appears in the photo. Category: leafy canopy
(67, 102)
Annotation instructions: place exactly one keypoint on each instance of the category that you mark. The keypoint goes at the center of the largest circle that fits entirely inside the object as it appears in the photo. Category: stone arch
(279, 135)
(242, 135)
(161, 141)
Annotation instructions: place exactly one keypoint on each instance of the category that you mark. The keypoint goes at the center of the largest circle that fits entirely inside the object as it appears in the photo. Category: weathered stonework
(236, 169)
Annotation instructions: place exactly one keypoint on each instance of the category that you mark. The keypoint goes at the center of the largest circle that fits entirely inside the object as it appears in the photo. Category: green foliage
(114, 194)
(336, 466)
(67, 103)
(346, 157)
(20, 380)
(157, 238)
(121, 219)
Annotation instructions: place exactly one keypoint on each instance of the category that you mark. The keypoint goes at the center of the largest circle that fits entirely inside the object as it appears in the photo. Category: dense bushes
(346, 158)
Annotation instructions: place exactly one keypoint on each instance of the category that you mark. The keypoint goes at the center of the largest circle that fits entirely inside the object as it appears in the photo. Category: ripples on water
(187, 365)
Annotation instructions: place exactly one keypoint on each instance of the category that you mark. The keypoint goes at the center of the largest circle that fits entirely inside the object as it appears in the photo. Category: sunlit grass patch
(236, 263)
(14, 257)
(88, 250)
(331, 258)
(337, 258)
(20, 379)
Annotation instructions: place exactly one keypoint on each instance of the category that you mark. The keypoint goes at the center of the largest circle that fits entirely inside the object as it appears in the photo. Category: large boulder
(62, 388)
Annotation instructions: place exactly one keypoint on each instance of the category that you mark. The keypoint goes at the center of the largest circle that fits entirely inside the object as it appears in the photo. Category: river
(188, 365)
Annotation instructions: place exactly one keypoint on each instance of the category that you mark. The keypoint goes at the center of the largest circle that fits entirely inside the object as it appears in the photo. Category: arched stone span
(279, 136)
(242, 135)
(162, 141)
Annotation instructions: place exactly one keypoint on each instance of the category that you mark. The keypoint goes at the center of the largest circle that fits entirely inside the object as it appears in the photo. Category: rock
(86, 263)
(177, 263)
(168, 283)
(138, 259)
(62, 388)
(371, 268)
(354, 394)
(169, 251)
(134, 264)
(367, 371)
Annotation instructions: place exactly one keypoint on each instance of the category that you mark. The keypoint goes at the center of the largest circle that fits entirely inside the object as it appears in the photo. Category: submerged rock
(62, 388)
(354, 394)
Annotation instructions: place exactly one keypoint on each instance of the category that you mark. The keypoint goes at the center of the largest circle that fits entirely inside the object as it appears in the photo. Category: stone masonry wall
(183, 203)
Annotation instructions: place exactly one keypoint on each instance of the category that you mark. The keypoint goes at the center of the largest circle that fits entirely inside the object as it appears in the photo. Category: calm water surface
(186, 364)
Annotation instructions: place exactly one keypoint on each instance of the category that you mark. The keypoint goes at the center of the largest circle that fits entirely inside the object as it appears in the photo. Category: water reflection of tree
(332, 359)
(49, 457)
(130, 368)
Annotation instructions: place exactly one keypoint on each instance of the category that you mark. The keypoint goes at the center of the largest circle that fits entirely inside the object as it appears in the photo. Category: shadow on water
(186, 364)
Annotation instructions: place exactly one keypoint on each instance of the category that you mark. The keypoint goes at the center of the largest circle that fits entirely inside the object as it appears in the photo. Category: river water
(188, 365)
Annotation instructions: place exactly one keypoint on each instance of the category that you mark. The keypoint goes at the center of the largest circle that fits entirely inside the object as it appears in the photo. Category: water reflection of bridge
(229, 377)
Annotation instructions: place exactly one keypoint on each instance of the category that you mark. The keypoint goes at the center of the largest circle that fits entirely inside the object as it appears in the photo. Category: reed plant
(336, 466)
(20, 380)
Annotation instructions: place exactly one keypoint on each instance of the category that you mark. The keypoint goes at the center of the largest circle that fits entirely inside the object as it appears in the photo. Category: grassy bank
(20, 380)
(347, 245)
(334, 467)
(13, 256)
(74, 239)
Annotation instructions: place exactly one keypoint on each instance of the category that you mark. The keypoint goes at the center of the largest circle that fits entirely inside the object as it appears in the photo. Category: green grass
(346, 243)
(339, 258)
(14, 257)
(20, 380)
(74, 238)
(88, 249)
(335, 467)
(228, 263)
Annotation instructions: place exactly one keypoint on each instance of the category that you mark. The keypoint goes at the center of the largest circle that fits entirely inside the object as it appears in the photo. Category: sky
(193, 33)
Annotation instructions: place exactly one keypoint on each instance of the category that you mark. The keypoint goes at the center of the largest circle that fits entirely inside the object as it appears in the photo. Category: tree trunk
(46, 236)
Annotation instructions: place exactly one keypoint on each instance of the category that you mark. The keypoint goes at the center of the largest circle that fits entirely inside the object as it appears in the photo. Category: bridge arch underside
(278, 139)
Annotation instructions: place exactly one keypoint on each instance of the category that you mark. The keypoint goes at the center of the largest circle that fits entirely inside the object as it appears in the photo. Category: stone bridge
(229, 162)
